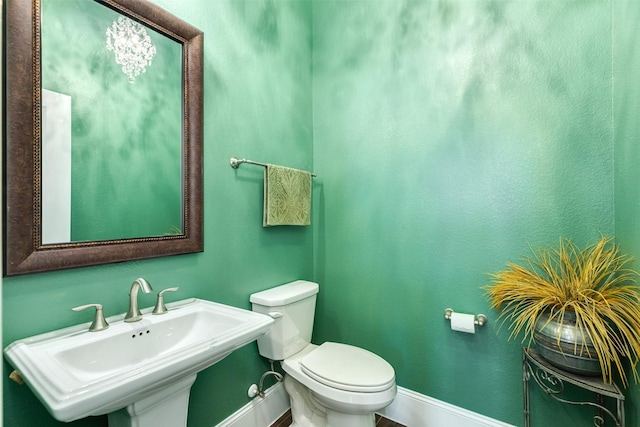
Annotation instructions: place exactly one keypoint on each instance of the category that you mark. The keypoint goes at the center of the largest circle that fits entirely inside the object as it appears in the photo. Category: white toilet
(333, 385)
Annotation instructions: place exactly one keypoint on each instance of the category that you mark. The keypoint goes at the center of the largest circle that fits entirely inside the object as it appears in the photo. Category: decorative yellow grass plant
(594, 283)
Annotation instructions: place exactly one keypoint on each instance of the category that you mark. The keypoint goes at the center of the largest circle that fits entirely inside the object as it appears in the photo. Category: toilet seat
(348, 368)
(333, 398)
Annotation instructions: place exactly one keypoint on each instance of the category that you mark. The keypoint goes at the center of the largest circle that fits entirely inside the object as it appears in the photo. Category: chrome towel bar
(236, 162)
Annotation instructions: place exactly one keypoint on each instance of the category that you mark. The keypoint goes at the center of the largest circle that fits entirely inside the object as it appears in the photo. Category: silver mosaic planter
(579, 359)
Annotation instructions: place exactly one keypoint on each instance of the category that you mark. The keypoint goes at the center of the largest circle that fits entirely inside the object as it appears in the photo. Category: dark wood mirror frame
(23, 249)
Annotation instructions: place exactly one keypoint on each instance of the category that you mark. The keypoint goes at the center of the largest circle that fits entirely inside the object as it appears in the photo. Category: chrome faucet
(134, 314)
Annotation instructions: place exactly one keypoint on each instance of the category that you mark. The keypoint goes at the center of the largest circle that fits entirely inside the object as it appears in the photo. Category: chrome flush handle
(160, 308)
(99, 323)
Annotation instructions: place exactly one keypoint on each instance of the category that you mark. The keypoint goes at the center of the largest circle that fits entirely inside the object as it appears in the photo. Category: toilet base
(306, 411)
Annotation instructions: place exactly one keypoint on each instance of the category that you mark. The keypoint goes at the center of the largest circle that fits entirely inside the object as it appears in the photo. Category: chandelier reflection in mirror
(131, 45)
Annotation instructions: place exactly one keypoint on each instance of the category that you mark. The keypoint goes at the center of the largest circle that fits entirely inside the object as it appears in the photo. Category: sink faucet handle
(99, 323)
(160, 308)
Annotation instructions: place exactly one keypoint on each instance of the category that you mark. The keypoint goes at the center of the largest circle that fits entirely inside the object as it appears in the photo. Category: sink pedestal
(165, 408)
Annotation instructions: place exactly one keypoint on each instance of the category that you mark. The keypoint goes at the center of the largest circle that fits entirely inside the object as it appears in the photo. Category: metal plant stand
(551, 380)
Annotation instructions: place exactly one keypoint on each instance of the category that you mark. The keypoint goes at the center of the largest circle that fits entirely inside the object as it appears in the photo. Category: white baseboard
(260, 412)
(409, 408)
(417, 410)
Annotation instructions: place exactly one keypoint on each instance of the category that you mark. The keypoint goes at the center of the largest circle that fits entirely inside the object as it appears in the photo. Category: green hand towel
(287, 196)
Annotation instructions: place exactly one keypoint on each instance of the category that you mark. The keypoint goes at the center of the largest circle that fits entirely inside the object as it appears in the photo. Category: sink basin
(76, 373)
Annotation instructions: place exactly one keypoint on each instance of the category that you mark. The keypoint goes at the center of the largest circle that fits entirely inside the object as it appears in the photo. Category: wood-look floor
(285, 421)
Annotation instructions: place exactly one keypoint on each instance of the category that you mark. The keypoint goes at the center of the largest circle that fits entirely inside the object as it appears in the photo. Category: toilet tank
(292, 306)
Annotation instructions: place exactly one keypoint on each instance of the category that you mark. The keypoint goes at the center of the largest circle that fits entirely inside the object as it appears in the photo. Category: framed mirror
(103, 134)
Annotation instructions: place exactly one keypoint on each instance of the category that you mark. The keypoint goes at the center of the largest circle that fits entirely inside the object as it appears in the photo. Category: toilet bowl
(332, 384)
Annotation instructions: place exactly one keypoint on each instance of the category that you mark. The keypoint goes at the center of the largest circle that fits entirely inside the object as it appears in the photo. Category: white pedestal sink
(139, 373)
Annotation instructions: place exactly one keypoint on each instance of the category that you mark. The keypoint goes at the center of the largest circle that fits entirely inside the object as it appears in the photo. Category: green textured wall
(257, 104)
(450, 136)
(626, 68)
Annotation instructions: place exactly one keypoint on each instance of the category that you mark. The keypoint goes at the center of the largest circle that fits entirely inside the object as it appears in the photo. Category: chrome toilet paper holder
(480, 319)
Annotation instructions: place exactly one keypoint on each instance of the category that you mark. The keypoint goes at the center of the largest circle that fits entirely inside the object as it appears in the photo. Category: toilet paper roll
(463, 322)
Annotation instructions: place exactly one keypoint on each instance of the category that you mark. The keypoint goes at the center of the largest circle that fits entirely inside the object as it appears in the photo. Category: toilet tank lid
(285, 294)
